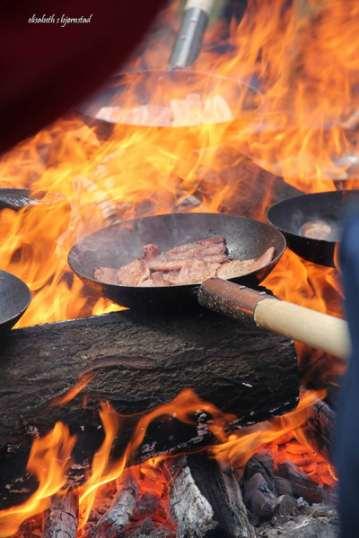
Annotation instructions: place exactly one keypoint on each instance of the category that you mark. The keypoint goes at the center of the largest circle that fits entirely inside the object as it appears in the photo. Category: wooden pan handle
(328, 333)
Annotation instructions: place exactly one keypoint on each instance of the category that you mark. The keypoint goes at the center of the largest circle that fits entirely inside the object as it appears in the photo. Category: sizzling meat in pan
(190, 263)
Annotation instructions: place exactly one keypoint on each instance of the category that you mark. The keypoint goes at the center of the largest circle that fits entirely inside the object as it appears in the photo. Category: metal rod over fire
(189, 40)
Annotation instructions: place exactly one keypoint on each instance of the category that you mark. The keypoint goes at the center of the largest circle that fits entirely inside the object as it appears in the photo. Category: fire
(300, 55)
(48, 461)
(50, 458)
(284, 438)
(103, 471)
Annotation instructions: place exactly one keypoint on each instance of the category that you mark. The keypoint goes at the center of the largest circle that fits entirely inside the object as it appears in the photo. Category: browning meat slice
(133, 273)
(159, 279)
(237, 268)
(164, 263)
(108, 275)
(197, 251)
(200, 244)
(195, 271)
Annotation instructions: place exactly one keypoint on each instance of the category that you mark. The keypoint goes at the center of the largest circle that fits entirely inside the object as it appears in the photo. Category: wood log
(259, 488)
(222, 491)
(302, 485)
(114, 522)
(61, 518)
(190, 510)
(320, 429)
(139, 364)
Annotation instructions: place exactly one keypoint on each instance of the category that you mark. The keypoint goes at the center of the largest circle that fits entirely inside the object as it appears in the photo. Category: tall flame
(300, 56)
(50, 456)
(49, 460)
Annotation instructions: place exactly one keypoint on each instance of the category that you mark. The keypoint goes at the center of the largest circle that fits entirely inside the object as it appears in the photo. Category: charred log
(140, 364)
(61, 518)
(114, 522)
(191, 511)
(320, 428)
(222, 491)
(259, 488)
(302, 486)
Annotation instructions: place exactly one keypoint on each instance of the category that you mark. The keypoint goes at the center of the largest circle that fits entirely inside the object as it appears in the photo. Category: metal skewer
(189, 40)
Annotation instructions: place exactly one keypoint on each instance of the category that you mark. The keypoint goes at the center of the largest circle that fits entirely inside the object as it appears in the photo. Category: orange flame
(103, 472)
(49, 459)
(301, 55)
(284, 438)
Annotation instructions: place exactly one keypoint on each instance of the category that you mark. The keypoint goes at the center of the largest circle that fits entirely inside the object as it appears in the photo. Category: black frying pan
(291, 214)
(15, 199)
(15, 297)
(119, 244)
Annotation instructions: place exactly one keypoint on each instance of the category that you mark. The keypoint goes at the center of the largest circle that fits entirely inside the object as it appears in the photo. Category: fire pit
(130, 425)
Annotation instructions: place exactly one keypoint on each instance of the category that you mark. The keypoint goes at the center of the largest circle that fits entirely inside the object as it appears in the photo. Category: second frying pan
(15, 297)
(117, 245)
(290, 215)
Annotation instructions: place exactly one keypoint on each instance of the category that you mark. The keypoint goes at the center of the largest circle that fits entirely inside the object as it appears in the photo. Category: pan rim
(273, 262)
(27, 297)
(119, 76)
(299, 197)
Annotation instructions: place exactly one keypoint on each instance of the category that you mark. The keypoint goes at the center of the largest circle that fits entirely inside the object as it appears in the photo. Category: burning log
(259, 487)
(190, 509)
(320, 428)
(61, 518)
(139, 364)
(114, 522)
(222, 492)
(302, 486)
(199, 500)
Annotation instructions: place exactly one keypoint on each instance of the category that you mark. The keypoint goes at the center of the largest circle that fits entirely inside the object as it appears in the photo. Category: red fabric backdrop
(46, 68)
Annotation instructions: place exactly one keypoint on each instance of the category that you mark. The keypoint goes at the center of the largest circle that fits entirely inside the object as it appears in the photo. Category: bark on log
(61, 518)
(140, 364)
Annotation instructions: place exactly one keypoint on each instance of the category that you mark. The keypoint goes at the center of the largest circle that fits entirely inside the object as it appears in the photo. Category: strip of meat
(197, 251)
(108, 275)
(237, 268)
(196, 271)
(165, 263)
(209, 242)
(160, 279)
(133, 273)
(216, 258)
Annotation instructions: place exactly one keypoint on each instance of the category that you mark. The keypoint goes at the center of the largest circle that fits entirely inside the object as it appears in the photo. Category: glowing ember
(49, 459)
